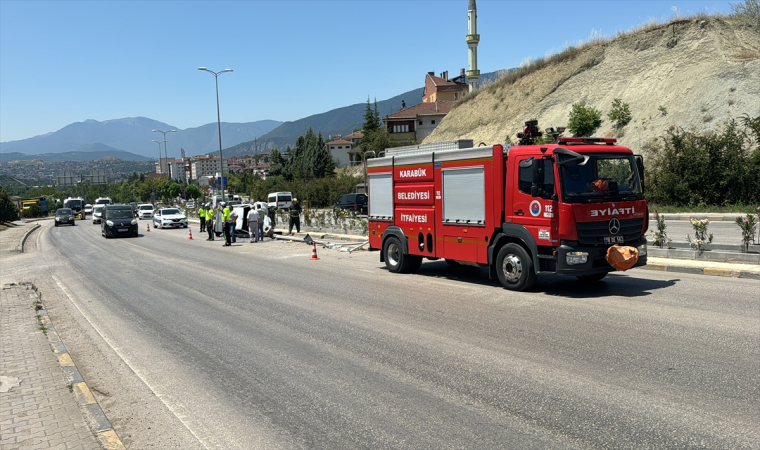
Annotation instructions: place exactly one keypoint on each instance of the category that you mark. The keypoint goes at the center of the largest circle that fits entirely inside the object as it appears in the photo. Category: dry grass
(532, 65)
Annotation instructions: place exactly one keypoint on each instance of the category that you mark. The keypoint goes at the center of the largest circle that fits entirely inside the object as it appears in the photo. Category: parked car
(169, 218)
(353, 202)
(145, 211)
(118, 220)
(97, 213)
(64, 215)
(190, 204)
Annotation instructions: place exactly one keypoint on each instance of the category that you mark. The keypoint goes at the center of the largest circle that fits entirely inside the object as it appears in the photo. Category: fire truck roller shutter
(464, 195)
(381, 195)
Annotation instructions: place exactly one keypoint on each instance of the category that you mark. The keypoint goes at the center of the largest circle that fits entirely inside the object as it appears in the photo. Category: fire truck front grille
(593, 233)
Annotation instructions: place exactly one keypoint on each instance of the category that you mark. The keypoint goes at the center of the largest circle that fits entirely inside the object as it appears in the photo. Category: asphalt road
(256, 346)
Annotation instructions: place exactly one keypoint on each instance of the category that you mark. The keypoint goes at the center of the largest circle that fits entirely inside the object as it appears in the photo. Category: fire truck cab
(518, 210)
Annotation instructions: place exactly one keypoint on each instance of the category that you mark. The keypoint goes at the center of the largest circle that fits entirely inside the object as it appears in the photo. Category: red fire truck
(519, 210)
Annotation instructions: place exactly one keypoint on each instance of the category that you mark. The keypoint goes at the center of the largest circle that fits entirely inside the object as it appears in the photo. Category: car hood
(173, 216)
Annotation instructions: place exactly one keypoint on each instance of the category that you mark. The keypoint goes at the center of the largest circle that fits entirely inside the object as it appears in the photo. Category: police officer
(295, 217)
(210, 222)
(226, 225)
(202, 216)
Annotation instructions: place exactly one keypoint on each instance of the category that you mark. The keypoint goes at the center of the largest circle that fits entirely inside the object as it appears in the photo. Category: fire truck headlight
(643, 250)
(576, 257)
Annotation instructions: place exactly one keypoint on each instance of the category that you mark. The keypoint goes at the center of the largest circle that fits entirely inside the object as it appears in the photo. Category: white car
(169, 218)
(97, 213)
(87, 209)
(144, 211)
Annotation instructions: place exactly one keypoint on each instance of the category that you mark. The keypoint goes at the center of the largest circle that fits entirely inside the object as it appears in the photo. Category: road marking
(126, 361)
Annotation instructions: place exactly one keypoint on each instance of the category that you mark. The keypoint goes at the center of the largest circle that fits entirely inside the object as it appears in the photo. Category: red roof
(422, 109)
(354, 135)
(340, 142)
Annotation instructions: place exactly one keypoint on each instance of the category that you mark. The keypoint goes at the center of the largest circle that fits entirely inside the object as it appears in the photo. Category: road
(192, 345)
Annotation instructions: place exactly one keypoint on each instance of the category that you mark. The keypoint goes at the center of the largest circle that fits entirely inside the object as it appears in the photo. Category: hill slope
(701, 71)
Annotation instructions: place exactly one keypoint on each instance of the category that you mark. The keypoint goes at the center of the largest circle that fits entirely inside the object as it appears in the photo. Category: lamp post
(166, 151)
(218, 121)
(159, 154)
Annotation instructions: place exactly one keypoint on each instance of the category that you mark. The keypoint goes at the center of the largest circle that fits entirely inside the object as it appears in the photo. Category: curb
(702, 271)
(26, 235)
(685, 217)
(94, 416)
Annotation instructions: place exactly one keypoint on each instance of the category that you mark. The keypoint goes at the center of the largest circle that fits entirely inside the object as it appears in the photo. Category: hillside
(85, 153)
(702, 71)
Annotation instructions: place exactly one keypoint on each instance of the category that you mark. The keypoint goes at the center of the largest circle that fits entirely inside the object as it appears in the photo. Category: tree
(371, 118)
(584, 119)
(749, 10)
(193, 191)
(620, 113)
(8, 210)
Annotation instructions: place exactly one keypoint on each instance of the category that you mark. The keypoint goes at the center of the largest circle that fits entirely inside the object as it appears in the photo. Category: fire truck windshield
(604, 177)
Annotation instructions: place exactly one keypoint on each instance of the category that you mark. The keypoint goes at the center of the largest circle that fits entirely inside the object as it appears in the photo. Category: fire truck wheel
(515, 268)
(415, 261)
(395, 259)
(592, 278)
(452, 263)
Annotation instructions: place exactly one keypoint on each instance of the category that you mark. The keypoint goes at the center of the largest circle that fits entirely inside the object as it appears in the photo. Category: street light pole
(166, 151)
(219, 122)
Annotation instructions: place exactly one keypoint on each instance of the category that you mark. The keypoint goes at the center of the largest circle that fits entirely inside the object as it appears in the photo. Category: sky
(68, 61)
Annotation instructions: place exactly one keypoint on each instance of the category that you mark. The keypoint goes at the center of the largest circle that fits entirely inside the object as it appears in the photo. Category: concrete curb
(26, 235)
(94, 416)
(702, 271)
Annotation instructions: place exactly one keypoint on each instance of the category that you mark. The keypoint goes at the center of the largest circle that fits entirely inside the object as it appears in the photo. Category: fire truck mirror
(640, 166)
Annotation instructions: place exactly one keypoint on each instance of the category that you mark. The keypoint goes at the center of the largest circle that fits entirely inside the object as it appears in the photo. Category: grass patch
(665, 209)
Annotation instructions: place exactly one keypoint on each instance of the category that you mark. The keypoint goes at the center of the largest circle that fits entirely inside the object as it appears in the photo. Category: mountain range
(130, 138)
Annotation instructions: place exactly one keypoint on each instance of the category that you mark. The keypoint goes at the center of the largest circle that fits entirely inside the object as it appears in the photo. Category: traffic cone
(190, 230)
(148, 231)
(314, 256)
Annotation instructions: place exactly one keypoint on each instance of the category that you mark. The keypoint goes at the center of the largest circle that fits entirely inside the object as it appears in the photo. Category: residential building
(442, 89)
(416, 122)
(205, 166)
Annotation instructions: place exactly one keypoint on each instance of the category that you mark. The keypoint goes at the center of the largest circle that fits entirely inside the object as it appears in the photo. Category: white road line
(126, 361)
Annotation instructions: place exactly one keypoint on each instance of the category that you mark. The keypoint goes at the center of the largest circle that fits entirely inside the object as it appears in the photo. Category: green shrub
(584, 120)
(620, 113)
(8, 210)
(749, 10)
(700, 169)
(31, 212)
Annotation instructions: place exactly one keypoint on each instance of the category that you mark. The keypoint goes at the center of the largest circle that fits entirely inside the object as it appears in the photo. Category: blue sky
(63, 61)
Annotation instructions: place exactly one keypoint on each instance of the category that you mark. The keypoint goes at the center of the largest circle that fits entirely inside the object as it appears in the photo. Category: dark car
(64, 215)
(353, 202)
(118, 220)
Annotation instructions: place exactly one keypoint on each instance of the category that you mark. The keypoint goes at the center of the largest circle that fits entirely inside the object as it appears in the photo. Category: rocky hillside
(691, 73)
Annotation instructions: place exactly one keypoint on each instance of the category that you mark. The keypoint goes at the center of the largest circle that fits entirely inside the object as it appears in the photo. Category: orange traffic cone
(191, 234)
(148, 231)
(314, 256)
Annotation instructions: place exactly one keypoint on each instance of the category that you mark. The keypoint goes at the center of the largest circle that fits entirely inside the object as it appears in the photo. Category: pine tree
(371, 118)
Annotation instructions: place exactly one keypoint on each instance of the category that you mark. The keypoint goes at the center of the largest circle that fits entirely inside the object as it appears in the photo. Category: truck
(28, 202)
(519, 210)
(76, 204)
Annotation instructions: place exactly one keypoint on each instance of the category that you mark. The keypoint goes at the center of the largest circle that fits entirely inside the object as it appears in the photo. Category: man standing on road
(233, 224)
(202, 217)
(262, 214)
(225, 224)
(295, 217)
(253, 225)
(210, 222)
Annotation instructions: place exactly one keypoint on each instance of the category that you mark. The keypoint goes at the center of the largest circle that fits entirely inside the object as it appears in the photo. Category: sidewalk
(37, 408)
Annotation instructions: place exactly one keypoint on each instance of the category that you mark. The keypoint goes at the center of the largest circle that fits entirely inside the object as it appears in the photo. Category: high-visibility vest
(226, 214)
(209, 214)
(201, 212)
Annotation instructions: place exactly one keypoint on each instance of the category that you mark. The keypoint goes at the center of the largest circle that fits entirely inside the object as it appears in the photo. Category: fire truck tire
(592, 278)
(415, 261)
(452, 263)
(514, 267)
(395, 259)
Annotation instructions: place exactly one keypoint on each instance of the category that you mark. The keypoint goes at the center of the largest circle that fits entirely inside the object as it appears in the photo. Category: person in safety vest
(210, 222)
(202, 217)
(226, 225)
(295, 217)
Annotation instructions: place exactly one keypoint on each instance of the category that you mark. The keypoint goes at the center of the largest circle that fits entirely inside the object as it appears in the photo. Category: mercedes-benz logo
(614, 225)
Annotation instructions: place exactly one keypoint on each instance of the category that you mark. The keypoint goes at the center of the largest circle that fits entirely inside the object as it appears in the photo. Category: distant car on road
(118, 220)
(87, 209)
(64, 215)
(169, 218)
(145, 211)
(352, 202)
(97, 213)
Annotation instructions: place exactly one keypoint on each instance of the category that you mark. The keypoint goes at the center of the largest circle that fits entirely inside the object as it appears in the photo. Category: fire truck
(519, 210)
